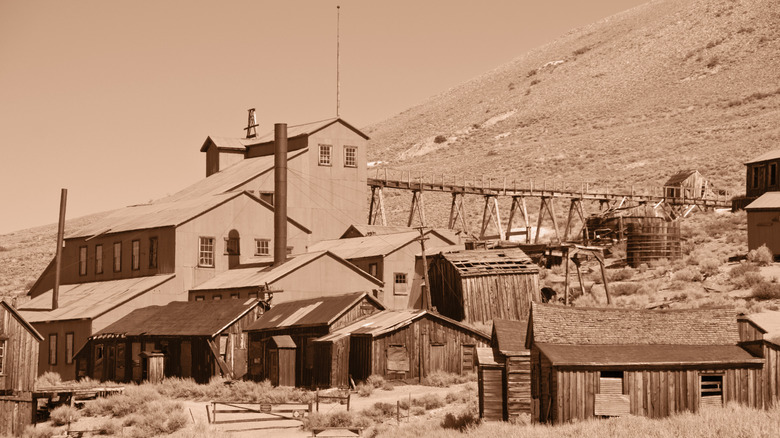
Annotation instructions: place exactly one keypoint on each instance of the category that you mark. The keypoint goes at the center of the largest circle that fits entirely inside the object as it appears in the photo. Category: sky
(113, 100)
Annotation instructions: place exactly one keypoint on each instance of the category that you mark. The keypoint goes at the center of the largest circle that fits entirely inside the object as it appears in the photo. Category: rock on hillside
(631, 99)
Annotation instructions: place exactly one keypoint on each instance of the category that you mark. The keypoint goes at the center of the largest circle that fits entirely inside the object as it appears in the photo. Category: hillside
(631, 99)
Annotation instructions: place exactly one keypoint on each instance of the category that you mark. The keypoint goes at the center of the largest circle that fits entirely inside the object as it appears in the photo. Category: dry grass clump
(442, 379)
(238, 391)
(39, 431)
(428, 401)
(319, 420)
(65, 414)
(761, 256)
(364, 389)
(378, 381)
(142, 408)
(687, 275)
(624, 274)
(766, 290)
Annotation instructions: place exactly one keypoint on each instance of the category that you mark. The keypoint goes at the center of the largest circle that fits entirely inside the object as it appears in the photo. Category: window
(206, 252)
(711, 386)
(233, 296)
(153, 247)
(53, 349)
(82, 260)
(216, 297)
(200, 298)
(397, 359)
(399, 283)
(136, 256)
(253, 295)
(232, 246)
(117, 256)
(373, 269)
(350, 156)
(755, 176)
(772, 174)
(98, 259)
(3, 344)
(262, 247)
(611, 398)
(325, 154)
(69, 347)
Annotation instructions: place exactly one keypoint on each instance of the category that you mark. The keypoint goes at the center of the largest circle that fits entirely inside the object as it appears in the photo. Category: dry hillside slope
(667, 85)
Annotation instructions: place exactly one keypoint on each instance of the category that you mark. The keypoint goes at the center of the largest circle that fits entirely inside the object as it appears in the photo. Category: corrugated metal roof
(680, 177)
(491, 262)
(766, 156)
(308, 129)
(181, 318)
(250, 277)
(390, 320)
(89, 300)
(365, 230)
(553, 324)
(370, 246)
(767, 201)
(646, 355)
(230, 178)
(310, 312)
(509, 336)
(154, 215)
(284, 341)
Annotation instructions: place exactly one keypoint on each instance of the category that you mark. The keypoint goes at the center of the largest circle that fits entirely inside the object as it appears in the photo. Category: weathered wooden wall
(750, 334)
(481, 298)
(652, 393)
(518, 384)
(490, 380)
(15, 414)
(21, 355)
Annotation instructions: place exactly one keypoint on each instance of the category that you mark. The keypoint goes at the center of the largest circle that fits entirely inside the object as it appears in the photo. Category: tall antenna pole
(338, 60)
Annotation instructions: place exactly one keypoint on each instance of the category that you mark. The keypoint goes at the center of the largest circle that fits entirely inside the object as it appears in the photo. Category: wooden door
(491, 394)
(186, 359)
(438, 361)
(467, 359)
(359, 357)
(273, 365)
(135, 351)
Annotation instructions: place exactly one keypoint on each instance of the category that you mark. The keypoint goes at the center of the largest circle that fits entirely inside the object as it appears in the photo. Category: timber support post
(491, 214)
(417, 205)
(547, 204)
(518, 203)
(377, 207)
(457, 212)
(575, 206)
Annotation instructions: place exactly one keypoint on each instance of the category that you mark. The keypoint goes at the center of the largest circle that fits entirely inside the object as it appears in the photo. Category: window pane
(68, 347)
(136, 259)
(83, 260)
(262, 246)
(325, 155)
(350, 156)
(118, 257)
(98, 259)
(206, 252)
(153, 252)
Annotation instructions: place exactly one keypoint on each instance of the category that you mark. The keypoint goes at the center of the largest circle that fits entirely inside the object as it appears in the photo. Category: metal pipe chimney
(55, 296)
(280, 193)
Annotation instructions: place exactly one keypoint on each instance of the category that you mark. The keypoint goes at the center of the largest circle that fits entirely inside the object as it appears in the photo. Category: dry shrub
(318, 420)
(766, 291)
(460, 421)
(624, 274)
(376, 381)
(742, 269)
(48, 379)
(39, 431)
(381, 411)
(364, 390)
(239, 391)
(428, 401)
(443, 379)
(687, 275)
(109, 426)
(761, 256)
(65, 414)
(621, 289)
(709, 266)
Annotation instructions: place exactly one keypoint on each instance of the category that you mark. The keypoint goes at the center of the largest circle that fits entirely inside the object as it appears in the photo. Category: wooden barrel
(653, 241)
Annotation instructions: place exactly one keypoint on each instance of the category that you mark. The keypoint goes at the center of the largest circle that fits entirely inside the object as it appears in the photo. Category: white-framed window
(206, 252)
(399, 283)
(325, 155)
(82, 260)
(262, 247)
(117, 256)
(98, 259)
(350, 156)
(135, 260)
(69, 347)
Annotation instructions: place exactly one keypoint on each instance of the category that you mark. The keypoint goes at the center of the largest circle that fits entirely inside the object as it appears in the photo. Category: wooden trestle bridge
(491, 189)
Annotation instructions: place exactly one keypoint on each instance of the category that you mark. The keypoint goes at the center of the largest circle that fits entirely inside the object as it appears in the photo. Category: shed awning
(646, 355)
(283, 341)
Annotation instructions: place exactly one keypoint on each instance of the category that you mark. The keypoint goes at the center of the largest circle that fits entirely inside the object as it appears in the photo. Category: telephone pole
(427, 305)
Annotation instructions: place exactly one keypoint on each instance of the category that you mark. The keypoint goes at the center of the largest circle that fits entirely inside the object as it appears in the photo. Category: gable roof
(181, 318)
(365, 230)
(767, 201)
(89, 300)
(232, 177)
(766, 156)
(646, 355)
(509, 336)
(680, 177)
(310, 128)
(164, 214)
(250, 277)
(388, 321)
(310, 312)
(21, 320)
(769, 324)
(470, 263)
(370, 246)
(554, 324)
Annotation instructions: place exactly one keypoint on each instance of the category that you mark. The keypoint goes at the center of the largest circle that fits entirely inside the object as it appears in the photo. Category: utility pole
(427, 305)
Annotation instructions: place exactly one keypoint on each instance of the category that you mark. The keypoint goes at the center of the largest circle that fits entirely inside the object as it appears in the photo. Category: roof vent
(251, 124)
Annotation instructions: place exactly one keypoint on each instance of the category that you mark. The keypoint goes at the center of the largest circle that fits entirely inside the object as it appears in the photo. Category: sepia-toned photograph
(345, 218)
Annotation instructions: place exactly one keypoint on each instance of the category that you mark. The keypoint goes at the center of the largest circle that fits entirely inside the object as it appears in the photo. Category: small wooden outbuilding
(504, 372)
(18, 369)
(761, 174)
(686, 184)
(302, 322)
(760, 333)
(281, 360)
(763, 216)
(397, 344)
(609, 362)
(190, 339)
(477, 286)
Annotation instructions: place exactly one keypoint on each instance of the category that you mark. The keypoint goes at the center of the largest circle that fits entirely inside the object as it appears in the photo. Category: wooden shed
(686, 184)
(760, 333)
(478, 286)
(397, 344)
(281, 360)
(189, 339)
(609, 362)
(504, 376)
(18, 369)
(763, 215)
(303, 321)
